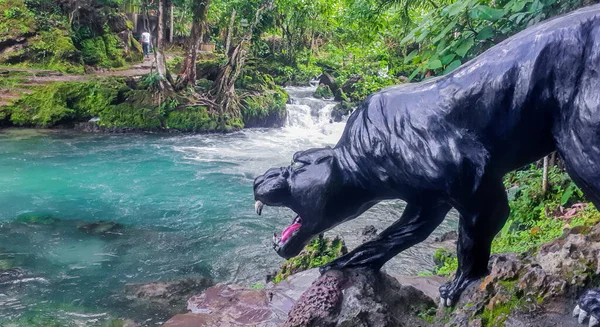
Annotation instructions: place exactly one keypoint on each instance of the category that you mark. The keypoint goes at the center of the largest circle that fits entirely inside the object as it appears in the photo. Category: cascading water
(308, 114)
(184, 204)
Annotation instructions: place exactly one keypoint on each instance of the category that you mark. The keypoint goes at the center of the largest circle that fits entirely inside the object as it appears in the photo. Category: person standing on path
(146, 43)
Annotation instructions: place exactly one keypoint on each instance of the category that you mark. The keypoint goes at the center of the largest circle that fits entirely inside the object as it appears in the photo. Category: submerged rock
(165, 297)
(100, 227)
(37, 219)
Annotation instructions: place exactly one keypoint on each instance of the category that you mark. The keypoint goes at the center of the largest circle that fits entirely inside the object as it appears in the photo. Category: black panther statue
(447, 142)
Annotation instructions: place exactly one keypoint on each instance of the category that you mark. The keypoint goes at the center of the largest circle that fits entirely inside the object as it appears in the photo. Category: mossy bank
(125, 105)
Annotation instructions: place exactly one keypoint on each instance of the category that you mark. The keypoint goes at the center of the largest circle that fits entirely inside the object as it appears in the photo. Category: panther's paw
(451, 291)
(588, 307)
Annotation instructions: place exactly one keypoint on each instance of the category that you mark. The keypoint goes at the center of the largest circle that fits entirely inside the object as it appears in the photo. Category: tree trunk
(159, 58)
(230, 32)
(188, 72)
(224, 90)
(171, 22)
(545, 176)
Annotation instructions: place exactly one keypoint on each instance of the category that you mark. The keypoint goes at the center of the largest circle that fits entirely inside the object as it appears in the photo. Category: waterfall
(308, 113)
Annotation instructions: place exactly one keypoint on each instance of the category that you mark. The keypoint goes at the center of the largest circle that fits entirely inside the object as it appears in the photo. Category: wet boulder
(166, 298)
(100, 227)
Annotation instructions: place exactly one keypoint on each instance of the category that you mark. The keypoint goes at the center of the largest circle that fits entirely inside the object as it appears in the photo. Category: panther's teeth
(258, 206)
(576, 311)
(593, 322)
(582, 316)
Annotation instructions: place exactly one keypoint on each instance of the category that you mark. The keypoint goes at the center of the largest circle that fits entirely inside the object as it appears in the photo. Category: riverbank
(110, 103)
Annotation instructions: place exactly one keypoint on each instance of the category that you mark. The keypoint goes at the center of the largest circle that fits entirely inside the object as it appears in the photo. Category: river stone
(349, 298)
(356, 298)
(165, 297)
(100, 227)
(226, 305)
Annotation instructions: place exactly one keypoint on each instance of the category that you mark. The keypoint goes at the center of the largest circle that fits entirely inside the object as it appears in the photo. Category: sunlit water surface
(185, 201)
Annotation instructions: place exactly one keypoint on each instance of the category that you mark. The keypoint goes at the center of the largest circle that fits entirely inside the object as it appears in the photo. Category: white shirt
(146, 37)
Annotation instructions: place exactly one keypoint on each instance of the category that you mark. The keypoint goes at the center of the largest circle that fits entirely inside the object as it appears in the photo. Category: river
(185, 202)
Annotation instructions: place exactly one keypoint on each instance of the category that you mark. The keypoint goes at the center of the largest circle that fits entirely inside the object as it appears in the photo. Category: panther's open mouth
(287, 233)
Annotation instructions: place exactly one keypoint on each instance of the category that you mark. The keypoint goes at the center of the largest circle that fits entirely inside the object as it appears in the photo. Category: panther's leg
(482, 216)
(589, 306)
(418, 221)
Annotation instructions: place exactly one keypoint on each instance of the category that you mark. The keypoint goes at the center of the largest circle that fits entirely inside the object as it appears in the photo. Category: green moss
(318, 252)
(427, 315)
(16, 20)
(136, 111)
(191, 119)
(260, 106)
(63, 101)
(49, 49)
(323, 91)
(104, 51)
(37, 219)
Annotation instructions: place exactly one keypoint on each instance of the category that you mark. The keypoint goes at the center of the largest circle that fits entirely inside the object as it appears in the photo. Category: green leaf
(518, 5)
(434, 64)
(444, 32)
(440, 47)
(517, 18)
(487, 13)
(568, 193)
(485, 34)
(422, 37)
(464, 47)
(410, 36)
(455, 8)
(415, 73)
(452, 66)
(410, 56)
(448, 58)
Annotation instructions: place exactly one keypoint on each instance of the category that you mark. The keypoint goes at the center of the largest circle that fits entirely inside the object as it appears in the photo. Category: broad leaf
(487, 13)
(464, 47)
(518, 5)
(417, 71)
(434, 64)
(452, 66)
(410, 56)
(485, 34)
(448, 58)
(444, 32)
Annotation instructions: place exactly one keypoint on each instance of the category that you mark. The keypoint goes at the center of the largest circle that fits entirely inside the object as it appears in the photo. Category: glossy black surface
(448, 141)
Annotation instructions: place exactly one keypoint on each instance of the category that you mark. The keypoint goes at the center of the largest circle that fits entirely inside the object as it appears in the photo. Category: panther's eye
(297, 165)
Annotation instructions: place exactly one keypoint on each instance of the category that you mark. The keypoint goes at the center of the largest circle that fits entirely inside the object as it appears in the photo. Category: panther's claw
(588, 306)
(582, 316)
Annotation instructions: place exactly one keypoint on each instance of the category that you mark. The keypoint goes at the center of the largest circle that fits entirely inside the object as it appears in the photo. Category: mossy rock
(16, 20)
(103, 51)
(64, 102)
(318, 252)
(323, 91)
(191, 119)
(265, 109)
(37, 219)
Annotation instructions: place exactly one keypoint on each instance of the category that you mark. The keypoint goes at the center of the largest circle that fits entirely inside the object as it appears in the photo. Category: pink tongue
(289, 231)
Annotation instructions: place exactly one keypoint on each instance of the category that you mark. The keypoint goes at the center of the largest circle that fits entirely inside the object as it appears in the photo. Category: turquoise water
(185, 203)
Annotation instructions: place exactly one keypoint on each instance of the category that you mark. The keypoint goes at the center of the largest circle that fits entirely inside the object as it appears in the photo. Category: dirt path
(42, 77)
